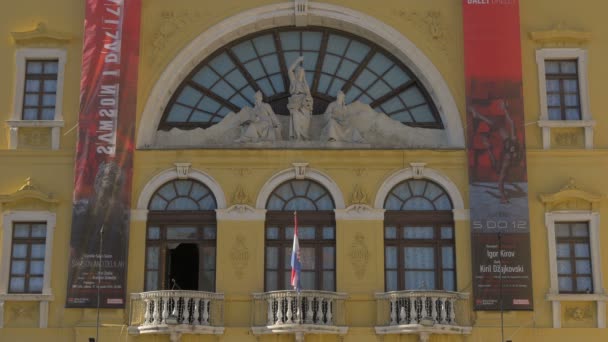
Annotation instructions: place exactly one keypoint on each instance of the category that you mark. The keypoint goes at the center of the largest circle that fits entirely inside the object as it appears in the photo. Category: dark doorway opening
(183, 269)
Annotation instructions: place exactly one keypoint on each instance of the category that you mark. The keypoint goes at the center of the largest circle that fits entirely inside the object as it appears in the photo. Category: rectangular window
(40, 89)
(573, 257)
(563, 94)
(27, 257)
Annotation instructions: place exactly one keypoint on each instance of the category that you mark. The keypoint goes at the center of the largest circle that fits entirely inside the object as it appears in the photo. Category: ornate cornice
(27, 191)
(560, 34)
(40, 33)
(570, 192)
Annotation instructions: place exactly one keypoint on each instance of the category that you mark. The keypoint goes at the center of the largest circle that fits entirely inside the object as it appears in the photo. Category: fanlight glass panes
(300, 195)
(417, 194)
(183, 195)
(333, 60)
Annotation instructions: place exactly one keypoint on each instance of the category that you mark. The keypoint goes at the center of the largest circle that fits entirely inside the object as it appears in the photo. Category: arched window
(181, 237)
(316, 233)
(333, 60)
(419, 238)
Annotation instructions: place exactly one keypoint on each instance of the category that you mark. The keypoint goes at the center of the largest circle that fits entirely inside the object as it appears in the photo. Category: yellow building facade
(349, 293)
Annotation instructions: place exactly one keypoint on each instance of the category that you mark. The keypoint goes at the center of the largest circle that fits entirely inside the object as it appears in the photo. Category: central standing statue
(300, 102)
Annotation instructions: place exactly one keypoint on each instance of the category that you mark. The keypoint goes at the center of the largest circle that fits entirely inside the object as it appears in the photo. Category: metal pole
(99, 282)
(502, 323)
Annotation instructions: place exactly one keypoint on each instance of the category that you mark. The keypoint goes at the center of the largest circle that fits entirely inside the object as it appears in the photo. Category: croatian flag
(296, 265)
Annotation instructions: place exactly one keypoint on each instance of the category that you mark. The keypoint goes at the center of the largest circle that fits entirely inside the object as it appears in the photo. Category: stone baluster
(444, 310)
(289, 313)
(434, 309)
(402, 313)
(453, 311)
(280, 311)
(205, 320)
(413, 314)
(147, 313)
(157, 312)
(186, 314)
(165, 313)
(393, 302)
(329, 317)
(175, 311)
(195, 316)
(319, 311)
(270, 312)
(310, 301)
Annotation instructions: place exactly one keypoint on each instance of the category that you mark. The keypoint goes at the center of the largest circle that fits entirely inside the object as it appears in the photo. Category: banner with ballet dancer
(500, 232)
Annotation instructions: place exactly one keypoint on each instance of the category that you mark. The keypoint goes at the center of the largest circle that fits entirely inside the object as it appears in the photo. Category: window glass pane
(570, 86)
(325, 203)
(208, 254)
(571, 100)
(306, 233)
(563, 250)
(417, 187)
(447, 232)
(311, 40)
(419, 257)
(244, 51)
(391, 256)
(35, 284)
(18, 267)
(390, 232)
(554, 100)
(552, 67)
(357, 51)
(272, 233)
(271, 281)
(328, 233)
(30, 114)
(208, 281)
(21, 230)
(38, 251)
(448, 281)
(328, 281)
(562, 229)
(393, 203)
(48, 114)
(19, 250)
(418, 233)
(272, 257)
(32, 85)
(419, 280)
(307, 258)
(447, 256)
(289, 233)
(38, 229)
(584, 284)
(418, 203)
(573, 114)
(34, 67)
(391, 280)
(378, 90)
(337, 44)
(552, 85)
(206, 77)
(583, 267)
(346, 69)
(182, 203)
(580, 229)
(581, 250)
(179, 233)
(287, 281)
(207, 203)
(151, 280)
(422, 114)
(50, 86)
(328, 257)
(568, 67)
(396, 77)
(152, 257)
(564, 267)
(412, 97)
(565, 283)
(36, 267)
(209, 233)
(307, 280)
(555, 114)
(264, 44)
(158, 203)
(50, 67)
(17, 284)
(153, 233)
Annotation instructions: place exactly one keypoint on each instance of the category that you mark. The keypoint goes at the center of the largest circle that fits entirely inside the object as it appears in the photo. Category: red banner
(104, 154)
(500, 234)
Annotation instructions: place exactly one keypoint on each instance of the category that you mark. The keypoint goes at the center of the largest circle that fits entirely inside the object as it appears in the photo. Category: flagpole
(298, 299)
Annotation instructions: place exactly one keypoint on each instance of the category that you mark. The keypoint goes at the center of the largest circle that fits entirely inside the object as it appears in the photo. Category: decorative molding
(182, 169)
(282, 14)
(40, 33)
(301, 12)
(418, 170)
(359, 255)
(360, 212)
(560, 35)
(429, 24)
(240, 196)
(568, 194)
(239, 256)
(241, 212)
(360, 171)
(300, 170)
(28, 191)
(578, 312)
(358, 196)
(171, 23)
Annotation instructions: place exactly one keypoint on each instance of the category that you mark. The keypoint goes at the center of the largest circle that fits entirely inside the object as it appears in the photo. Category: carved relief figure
(339, 127)
(300, 102)
(261, 124)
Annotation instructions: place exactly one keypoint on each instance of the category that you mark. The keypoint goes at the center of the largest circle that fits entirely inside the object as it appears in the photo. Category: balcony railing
(423, 312)
(299, 313)
(176, 312)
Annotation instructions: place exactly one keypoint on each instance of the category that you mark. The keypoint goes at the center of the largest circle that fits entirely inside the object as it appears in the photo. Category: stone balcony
(422, 313)
(176, 312)
(290, 312)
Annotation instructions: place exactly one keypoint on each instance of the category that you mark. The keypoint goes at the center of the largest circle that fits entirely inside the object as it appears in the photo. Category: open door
(183, 262)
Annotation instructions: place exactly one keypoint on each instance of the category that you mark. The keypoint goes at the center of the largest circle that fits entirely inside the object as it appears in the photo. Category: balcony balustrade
(176, 312)
(299, 313)
(421, 312)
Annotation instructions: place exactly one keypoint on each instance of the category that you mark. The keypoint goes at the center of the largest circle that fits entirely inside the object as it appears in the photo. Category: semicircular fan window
(333, 60)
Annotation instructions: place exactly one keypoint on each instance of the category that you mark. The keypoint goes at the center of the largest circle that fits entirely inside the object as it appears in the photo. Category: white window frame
(16, 121)
(587, 122)
(8, 221)
(598, 295)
